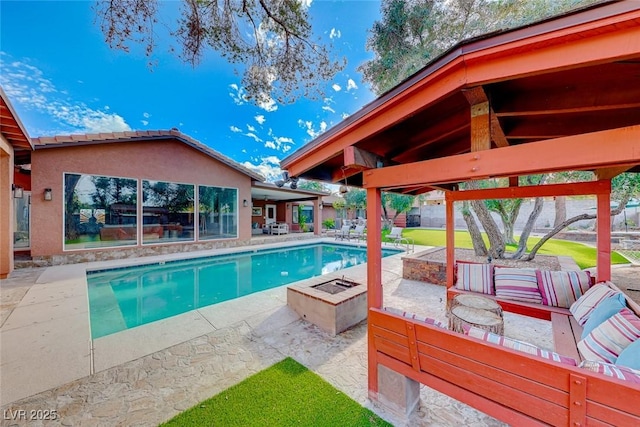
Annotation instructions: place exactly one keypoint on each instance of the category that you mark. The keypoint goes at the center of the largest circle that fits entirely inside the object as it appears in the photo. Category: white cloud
(310, 128)
(146, 115)
(305, 3)
(260, 119)
(251, 128)
(235, 129)
(329, 109)
(26, 85)
(351, 85)
(345, 115)
(335, 34)
(268, 104)
(279, 143)
(336, 87)
(238, 94)
(269, 167)
(253, 136)
(144, 122)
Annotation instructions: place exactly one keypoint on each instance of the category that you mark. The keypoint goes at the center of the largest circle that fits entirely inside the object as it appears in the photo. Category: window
(167, 212)
(218, 213)
(99, 211)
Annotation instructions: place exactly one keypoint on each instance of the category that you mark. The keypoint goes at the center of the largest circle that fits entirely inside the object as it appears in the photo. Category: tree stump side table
(474, 310)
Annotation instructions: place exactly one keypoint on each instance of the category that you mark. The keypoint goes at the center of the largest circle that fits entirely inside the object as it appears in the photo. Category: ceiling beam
(570, 189)
(616, 89)
(577, 152)
(609, 173)
(478, 96)
(434, 137)
(546, 127)
(356, 157)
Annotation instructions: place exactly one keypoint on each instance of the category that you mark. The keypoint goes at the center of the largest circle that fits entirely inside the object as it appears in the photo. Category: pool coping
(46, 340)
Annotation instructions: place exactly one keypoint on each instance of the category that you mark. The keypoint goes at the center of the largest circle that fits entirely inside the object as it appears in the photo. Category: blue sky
(62, 78)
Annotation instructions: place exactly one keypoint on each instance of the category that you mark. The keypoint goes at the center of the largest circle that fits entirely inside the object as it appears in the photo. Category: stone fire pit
(333, 305)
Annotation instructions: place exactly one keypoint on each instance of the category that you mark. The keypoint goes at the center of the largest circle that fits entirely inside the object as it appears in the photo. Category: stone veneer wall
(135, 252)
(416, 268)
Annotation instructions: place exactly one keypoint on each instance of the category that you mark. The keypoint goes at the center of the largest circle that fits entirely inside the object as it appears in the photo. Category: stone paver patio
(134, 384)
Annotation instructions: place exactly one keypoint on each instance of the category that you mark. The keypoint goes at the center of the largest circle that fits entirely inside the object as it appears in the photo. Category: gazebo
(559, 95)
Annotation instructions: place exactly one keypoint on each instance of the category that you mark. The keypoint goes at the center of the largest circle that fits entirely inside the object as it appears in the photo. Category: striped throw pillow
(607, 341)
(423, 319)
(519, 284)
(475, 278)
(610, 370)
(524, 347)
(584, 306)
(562, 288)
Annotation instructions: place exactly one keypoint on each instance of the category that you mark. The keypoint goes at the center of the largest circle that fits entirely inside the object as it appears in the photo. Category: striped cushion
(475, 278)
(619, 372)
(583, 307)
(562, 288)
(427, 320)
(606, 342)
(519, 284)
(519, 346)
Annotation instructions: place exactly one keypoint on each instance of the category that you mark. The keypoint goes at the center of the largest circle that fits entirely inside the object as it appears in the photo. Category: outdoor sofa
(517, 382)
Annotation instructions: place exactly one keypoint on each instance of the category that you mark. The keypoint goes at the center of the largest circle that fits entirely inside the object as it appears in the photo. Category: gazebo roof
(568, 86)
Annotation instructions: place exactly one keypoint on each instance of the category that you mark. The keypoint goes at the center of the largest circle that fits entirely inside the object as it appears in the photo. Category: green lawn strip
(286, 394)
(585, 256)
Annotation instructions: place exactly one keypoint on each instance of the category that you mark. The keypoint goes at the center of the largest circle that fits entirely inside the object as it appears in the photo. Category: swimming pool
(124, 298)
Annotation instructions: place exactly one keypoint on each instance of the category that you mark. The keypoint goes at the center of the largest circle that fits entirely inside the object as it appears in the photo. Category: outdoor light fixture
(48, 195)
(286, 178)
(18, 192)
(245, 203)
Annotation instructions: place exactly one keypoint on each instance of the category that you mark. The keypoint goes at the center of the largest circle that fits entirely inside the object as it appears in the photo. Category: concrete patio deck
(146, 375)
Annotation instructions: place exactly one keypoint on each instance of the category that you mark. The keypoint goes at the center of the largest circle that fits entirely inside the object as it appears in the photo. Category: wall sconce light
(245, 203)
(320, 206)
(288, 205)
(48, 195)
(18, 192)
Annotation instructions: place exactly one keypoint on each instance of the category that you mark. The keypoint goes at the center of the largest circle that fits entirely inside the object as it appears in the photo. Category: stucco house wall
(161, 160)
(6, 207)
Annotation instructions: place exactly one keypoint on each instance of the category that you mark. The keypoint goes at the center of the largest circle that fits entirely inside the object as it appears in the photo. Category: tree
(411, 33)
(400, 203)
(312, 185)
(271, 39)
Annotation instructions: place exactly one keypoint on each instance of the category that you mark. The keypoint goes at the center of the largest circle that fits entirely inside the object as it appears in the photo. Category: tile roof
(146, 135)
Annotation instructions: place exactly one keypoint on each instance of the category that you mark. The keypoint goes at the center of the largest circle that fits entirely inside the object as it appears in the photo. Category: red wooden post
(604, 235)
(451, 238)
(374, 277)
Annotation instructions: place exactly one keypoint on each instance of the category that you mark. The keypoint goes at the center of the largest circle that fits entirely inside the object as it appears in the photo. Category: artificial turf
(585, 256)
(286, 394)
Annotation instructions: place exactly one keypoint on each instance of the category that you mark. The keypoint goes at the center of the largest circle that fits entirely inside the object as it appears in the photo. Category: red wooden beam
(615, 147)
(545, 127)
(603, 237)
(374, 277)
(572, 189)
(451, 238)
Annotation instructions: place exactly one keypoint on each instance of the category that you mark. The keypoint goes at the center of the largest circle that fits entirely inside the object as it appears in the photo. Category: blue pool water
(124, 298)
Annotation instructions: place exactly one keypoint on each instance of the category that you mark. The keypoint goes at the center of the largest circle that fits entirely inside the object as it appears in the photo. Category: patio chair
(281, 228)
(395, 237)
(360, 233)
(344, 233)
